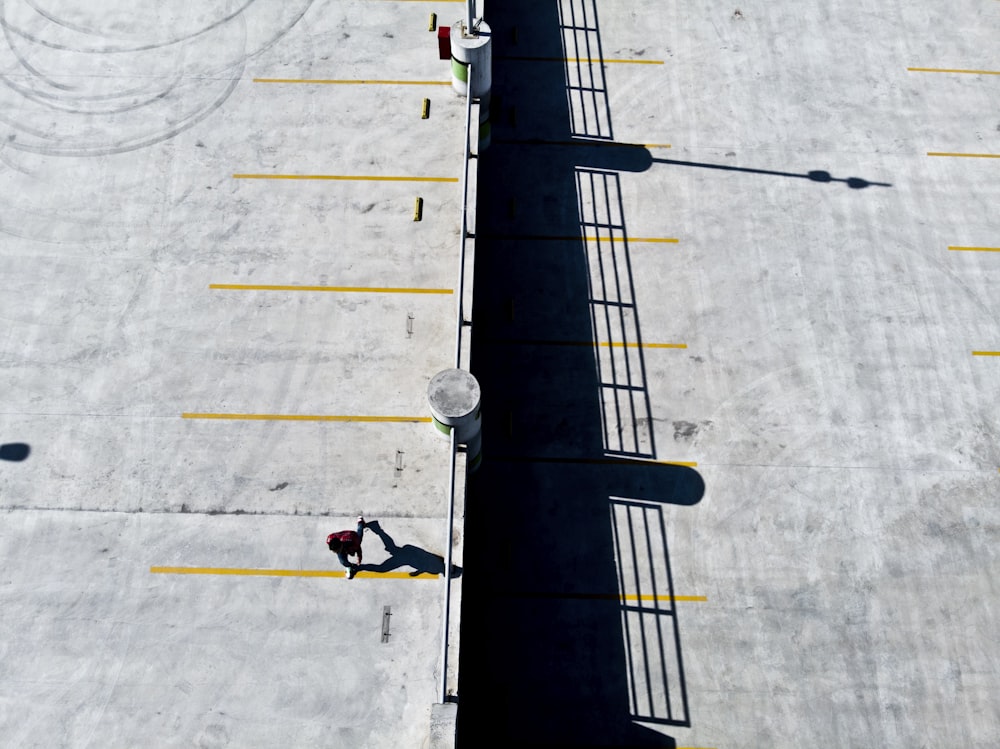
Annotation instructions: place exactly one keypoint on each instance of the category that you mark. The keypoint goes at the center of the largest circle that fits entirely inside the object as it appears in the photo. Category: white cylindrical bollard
(454, 397)
(472, 70)
(471, 47)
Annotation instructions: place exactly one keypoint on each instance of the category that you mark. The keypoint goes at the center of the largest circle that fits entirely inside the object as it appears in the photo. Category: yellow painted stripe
(346, 289)
(606, 597)
(351, 82)
(627, 462)
(285, 573)
(353, 177)
(986, 353)
(596, 60)
(582, 238)
(617, 62)
(965, 155)
(656, 145)
(666, 240)
(953, 70)
(605, 344)
(974, 249)
(619, 344)
(306, 417)
(639, 462)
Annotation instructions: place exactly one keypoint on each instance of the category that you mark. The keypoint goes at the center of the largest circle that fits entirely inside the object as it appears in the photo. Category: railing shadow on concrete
(652, 639)
(626, 411)
(544, 659)
(551, 656)
(586, 82)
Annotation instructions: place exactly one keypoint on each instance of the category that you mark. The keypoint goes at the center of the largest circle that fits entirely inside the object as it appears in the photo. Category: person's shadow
(420, 560)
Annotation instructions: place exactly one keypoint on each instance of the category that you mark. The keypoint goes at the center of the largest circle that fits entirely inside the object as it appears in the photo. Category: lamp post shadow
(419, 560)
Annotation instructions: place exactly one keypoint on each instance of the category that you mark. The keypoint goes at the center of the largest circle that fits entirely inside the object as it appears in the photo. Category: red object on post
(444, 42)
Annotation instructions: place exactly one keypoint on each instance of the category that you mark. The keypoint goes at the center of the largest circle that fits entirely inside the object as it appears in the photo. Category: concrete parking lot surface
(735, 322)
(732, 239)
(207, 367)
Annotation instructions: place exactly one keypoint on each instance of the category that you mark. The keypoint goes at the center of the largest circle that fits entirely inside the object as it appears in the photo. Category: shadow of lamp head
(598, 478)
(618, 157)
(855, 183)
(656, 482)
(14, 451)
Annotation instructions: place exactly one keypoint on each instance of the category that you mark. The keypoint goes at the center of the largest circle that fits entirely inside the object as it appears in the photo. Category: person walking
(348, 543)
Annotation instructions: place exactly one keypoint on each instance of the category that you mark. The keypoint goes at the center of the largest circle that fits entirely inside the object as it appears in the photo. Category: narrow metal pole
(470, 15)
(467, 157)
(447, 574)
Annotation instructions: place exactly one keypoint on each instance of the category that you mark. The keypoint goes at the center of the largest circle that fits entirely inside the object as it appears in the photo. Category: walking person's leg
(360, 530)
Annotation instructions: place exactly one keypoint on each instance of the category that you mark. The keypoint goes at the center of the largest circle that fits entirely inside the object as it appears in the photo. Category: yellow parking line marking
(986, 353)
(344, 289)
(953, 70)
(604, 344)
(355, 177)
(633, 462)
(665, 599)
(620, 344)
(617, 62)
(974, 249)
(641, 461)
(664, 240)
(351, 82)
(286, 573)
(611, 597)
(582, 238)
(307, 417)
(595, 60)
(656, 145)
(965, 155)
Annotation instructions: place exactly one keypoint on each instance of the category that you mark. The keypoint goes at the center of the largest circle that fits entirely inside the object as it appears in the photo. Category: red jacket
(350, 542)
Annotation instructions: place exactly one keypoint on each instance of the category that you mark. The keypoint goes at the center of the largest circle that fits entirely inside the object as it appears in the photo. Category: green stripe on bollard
(441, 426)
(460, 70)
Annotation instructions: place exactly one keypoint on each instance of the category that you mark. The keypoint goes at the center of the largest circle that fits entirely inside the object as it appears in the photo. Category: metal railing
(459, 326)
(464, 234)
